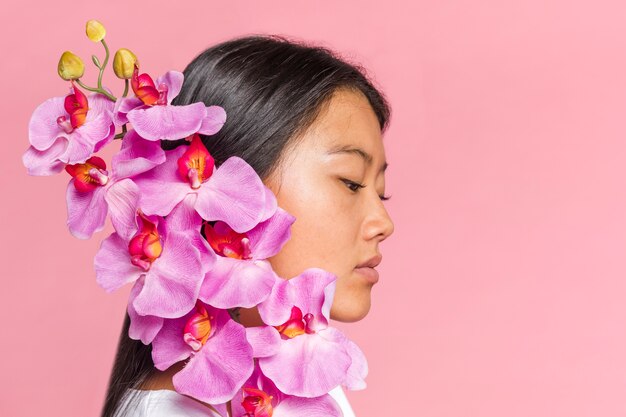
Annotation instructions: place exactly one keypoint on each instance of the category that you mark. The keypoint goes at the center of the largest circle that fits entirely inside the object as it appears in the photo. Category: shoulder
(161, 403)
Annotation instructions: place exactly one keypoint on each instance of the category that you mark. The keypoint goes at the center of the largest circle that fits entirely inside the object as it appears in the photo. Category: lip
(371, 262)
(370, 274)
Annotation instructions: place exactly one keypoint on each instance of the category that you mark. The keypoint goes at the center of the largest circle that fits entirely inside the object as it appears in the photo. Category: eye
(354, 186)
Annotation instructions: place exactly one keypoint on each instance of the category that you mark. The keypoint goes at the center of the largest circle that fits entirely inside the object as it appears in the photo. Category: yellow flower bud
(95, 30)
(71, 67)
(124, 63)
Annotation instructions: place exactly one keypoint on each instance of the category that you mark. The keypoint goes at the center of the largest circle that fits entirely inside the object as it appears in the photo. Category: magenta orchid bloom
(232, 193)
(220, 355)
(154, 118)
(85, 197)
(184, 218)
(259, 397)
(298, 351)
(172, 265)
(67, 130)
(87, 191)
(241, 277)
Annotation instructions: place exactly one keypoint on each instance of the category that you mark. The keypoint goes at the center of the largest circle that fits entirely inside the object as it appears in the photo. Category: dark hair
(272, 89)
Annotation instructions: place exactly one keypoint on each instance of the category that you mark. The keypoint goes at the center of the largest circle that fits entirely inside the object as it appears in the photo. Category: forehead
(346, 121)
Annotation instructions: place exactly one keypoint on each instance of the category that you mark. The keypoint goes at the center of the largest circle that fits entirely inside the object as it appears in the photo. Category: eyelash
(349, 183)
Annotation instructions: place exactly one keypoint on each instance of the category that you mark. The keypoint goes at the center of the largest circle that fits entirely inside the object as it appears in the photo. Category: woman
(311, 126)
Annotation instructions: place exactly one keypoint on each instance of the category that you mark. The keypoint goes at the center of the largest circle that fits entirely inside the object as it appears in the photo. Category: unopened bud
(70, 67)
(95, 31)
(124, 63)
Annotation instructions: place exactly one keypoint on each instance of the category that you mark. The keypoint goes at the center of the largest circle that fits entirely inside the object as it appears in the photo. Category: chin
(350, 309)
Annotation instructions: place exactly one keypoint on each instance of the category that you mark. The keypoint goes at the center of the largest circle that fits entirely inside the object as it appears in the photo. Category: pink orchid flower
(154, 118)
(220, 357)
(87, 192)
(166, 256)
(232, 193)
(241, 277)
(184, 218)
(298, 351)
(67, 130)
(259, 397)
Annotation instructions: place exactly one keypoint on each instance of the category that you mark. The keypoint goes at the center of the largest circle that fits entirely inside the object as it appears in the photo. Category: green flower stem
(104, 64)
(122, 134)
(125, 88)
(96, 90)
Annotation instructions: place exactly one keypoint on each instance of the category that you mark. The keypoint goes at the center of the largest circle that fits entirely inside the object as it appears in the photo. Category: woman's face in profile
(339, 225)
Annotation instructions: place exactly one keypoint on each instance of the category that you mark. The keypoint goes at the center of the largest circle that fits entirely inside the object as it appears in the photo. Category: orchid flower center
(198, 328)
(145, 90)
(65, 124)
(76, 105)
(89, 175)
(226, 242)
(296, 325)
(196, 164)
(145, 247)
(256, 403)
(162, 100)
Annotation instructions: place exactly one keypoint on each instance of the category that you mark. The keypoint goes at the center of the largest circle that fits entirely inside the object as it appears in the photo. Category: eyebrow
(349, 149)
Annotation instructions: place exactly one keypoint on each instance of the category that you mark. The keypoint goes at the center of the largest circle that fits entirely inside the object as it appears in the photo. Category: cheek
(322, 236)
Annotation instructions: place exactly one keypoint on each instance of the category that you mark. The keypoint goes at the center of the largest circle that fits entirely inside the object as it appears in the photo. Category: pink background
(503, 290)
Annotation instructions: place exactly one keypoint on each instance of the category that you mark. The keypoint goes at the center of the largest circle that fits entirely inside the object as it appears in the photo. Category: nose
(378, 224)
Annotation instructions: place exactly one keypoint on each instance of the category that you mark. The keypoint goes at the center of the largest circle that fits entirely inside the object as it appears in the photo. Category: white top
(167, 403)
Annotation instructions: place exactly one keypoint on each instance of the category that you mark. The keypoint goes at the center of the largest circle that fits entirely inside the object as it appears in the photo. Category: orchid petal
(112, 264)
(86, 211)
(143, 328)
(161, 188)
(312, 292)
(78, 149)
(236, 283)
(122, 107)
(268, 237)
(265, 340)
(123, 200)
(83, 140)
(184, 217)
(106, 140)
(99, 104)
(45, 162)
(307, 366)
(167, 122)
(233, 194)
(174, 82)
(43, 129)
(355, 376)
(136, 156)
(219, 369)
(173, 281)
(271, 205)
(214, 119)
(169, 347)
(322, 406)
(355, 380)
